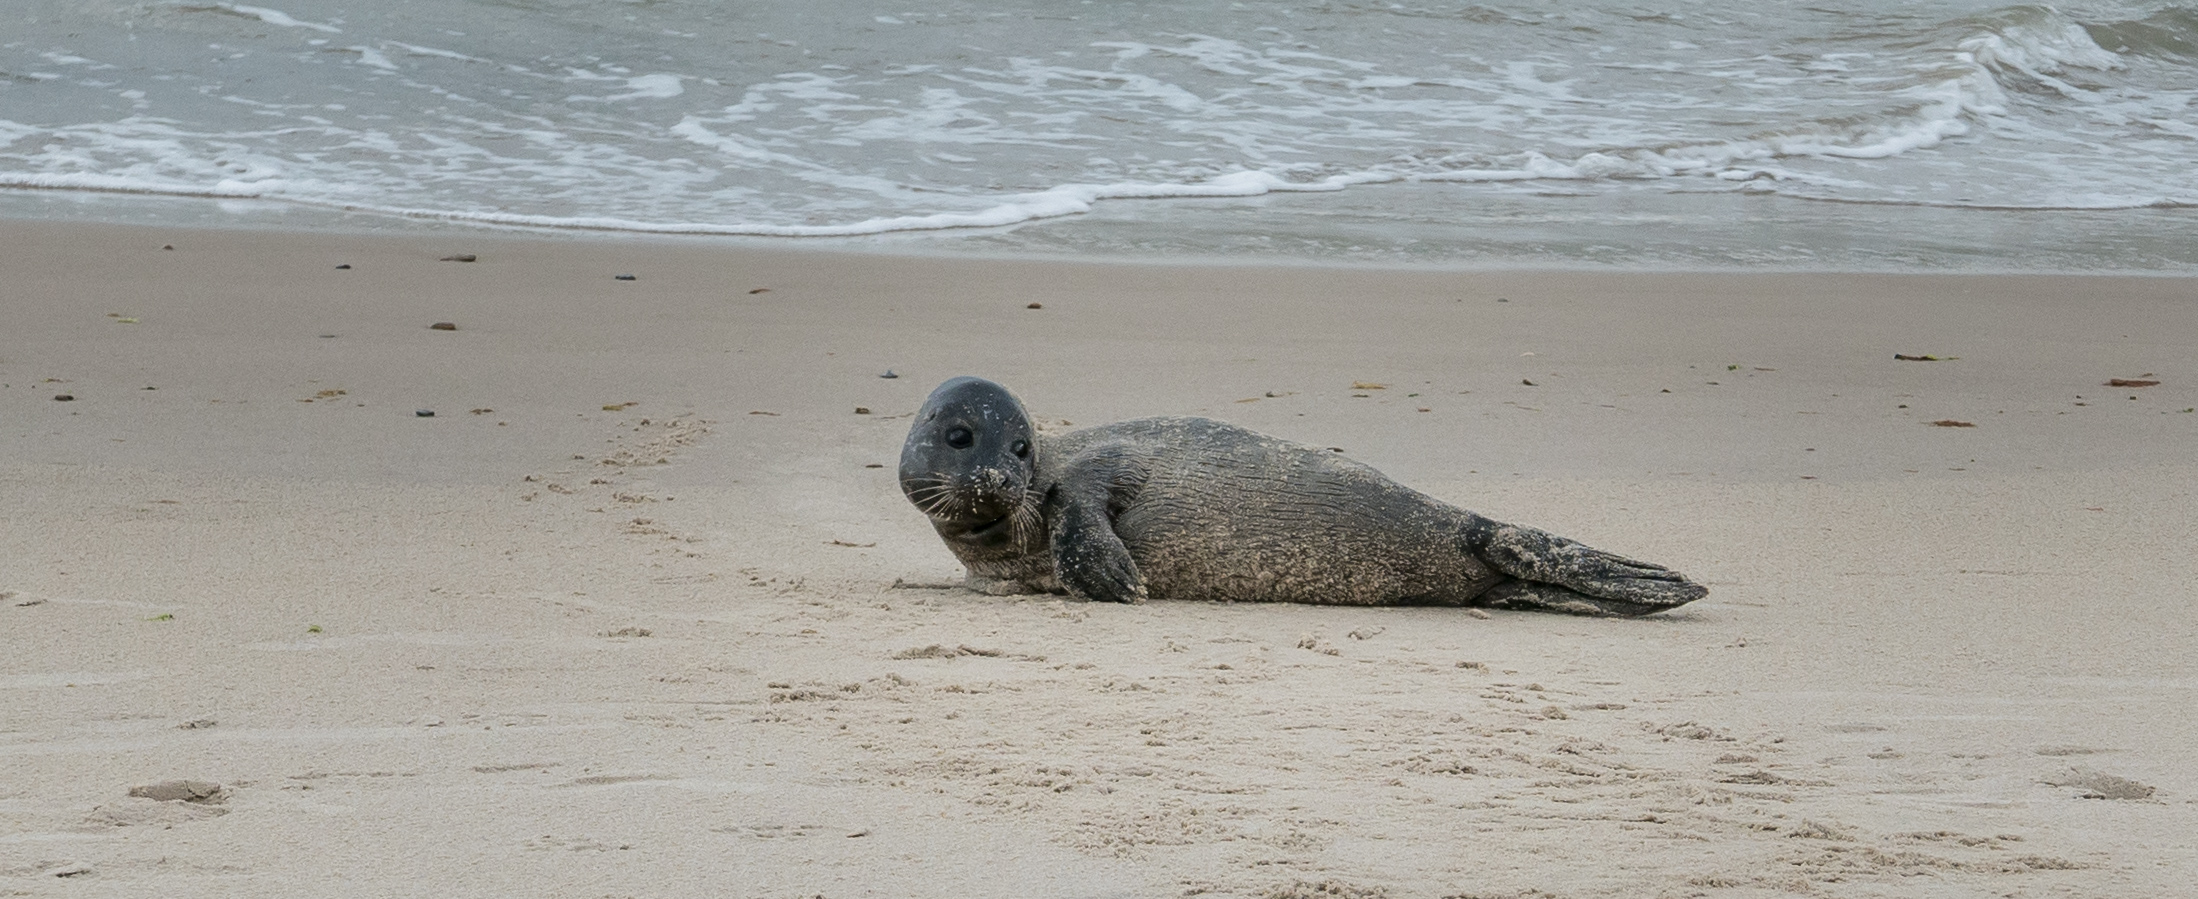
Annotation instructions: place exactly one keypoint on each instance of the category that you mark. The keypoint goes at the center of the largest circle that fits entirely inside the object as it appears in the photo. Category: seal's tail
(1563, 575)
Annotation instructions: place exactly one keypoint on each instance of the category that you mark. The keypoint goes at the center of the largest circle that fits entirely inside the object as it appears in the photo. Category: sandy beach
(639, 610)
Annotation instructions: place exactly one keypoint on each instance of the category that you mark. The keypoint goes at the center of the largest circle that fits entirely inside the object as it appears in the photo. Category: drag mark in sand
(1269, 766)
(619, 474)
(2101, 785)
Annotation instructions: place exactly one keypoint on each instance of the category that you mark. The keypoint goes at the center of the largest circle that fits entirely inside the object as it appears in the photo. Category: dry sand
(634, 614)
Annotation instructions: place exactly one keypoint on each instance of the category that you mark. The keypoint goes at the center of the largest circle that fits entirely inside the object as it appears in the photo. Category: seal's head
(969, 457)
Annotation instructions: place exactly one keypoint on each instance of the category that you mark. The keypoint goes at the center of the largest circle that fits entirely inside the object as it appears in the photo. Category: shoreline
(1100, 242)
(650, 623)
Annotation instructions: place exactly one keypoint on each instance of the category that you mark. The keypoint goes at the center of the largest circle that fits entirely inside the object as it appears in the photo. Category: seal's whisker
(1028, 517)
(1025, 525)
(921, 494)
(919, 491)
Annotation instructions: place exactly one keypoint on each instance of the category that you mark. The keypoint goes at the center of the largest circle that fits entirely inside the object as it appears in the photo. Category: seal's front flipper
(1090, 560)
(1544, 558)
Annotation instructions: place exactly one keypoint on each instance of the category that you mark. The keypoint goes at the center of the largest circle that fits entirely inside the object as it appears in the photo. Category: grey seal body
(1192, 508)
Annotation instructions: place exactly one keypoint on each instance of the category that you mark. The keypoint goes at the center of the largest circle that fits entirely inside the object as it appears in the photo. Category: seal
(1192, 508)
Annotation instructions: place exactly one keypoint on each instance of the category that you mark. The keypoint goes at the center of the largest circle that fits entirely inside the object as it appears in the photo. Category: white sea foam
(650, 87)
(372, 57)
(417, 50)
(64, 59)
(904, 121)
(2041, 49)
(1066, 199)
(278, 18)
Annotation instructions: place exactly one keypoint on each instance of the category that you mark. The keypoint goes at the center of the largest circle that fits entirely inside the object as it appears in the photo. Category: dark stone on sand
(889, 374)
(167, 246)
(460, 257)
(623, 277)
(64, 397)
(862, 410)
(424, 413)
(443, 326)
(345, 265)
(1035, 306)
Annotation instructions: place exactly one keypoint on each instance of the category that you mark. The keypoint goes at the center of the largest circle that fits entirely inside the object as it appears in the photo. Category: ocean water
(1856, 134)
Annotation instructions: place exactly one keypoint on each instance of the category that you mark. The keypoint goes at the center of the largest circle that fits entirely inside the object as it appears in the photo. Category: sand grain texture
(616, 635)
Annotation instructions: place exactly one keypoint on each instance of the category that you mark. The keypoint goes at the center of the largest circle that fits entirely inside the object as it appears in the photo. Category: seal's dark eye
(960, 438)
(1021, 449)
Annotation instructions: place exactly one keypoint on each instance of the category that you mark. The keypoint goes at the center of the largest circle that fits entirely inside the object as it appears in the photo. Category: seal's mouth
(989, 525)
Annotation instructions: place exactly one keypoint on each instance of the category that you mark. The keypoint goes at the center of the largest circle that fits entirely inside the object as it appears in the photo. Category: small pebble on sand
(64, 397)
(443, 326)
(1035, 306)
(424, 413)
(344, 266)
(460, 257)
(623, 277)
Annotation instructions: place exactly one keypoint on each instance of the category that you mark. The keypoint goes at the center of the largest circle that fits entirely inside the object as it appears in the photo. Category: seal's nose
(984, 480)
(988, 492)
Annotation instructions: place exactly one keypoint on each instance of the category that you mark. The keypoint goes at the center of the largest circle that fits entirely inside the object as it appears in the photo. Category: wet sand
(632, 613)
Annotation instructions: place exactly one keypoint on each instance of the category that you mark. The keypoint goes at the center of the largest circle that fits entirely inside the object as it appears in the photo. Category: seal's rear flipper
(1538, 559)
(1529, 595)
